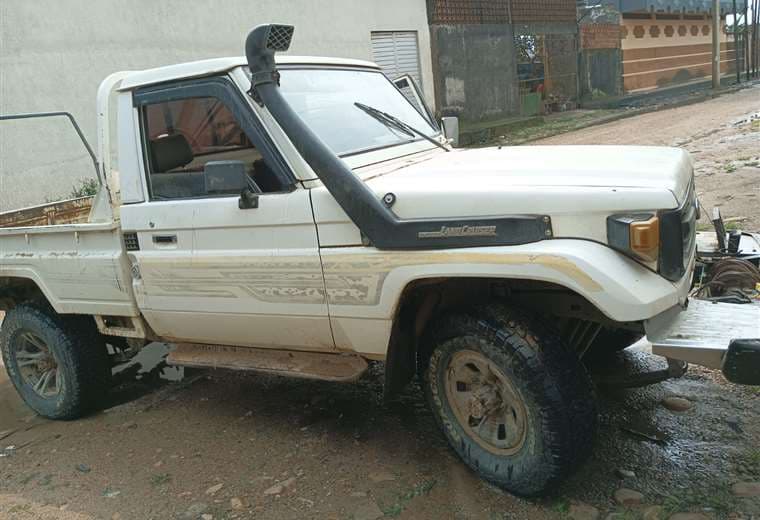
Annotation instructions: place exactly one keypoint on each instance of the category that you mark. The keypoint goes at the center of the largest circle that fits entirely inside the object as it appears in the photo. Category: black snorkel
(377, 223)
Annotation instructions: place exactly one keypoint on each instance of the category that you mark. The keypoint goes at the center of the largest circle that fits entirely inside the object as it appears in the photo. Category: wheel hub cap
(37, 365)
(486, 404)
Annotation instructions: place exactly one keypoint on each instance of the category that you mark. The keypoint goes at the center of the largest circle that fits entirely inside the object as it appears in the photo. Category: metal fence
(547, 69)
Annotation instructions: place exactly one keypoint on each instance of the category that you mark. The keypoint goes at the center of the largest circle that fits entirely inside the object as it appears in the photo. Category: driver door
(208, 271)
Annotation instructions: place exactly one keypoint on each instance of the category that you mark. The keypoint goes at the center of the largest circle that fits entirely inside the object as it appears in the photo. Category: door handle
(165, 240)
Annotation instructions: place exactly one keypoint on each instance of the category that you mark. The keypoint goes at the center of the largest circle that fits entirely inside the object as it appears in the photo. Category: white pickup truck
(304, 216)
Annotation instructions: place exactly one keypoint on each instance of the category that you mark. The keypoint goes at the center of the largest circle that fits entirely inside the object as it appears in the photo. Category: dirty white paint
(55, 54)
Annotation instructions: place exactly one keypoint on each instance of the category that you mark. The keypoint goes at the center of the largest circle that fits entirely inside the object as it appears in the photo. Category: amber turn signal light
(645, 238)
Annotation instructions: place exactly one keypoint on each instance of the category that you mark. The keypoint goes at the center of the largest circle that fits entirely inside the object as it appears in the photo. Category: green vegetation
(517, 131)
(85, 188)
(395, 509)
(717, 497)
(561, 506)
(160, 479)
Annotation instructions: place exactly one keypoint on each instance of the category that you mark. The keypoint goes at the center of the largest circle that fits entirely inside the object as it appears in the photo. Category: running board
(305, 365)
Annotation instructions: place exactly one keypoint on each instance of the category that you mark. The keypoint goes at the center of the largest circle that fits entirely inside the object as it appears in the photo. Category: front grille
(678, 237)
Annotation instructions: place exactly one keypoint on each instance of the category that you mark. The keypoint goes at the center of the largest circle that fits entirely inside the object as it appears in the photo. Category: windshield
(325, 99)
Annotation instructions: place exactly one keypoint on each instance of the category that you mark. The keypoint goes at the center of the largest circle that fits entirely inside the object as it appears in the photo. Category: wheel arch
(23, 287)
(422, 299)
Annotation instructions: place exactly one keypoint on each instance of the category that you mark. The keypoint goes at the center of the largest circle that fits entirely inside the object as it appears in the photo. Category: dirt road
(219, 445)
(723, 136)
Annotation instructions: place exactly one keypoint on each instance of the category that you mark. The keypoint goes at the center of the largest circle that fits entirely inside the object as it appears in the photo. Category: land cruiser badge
(459, 231)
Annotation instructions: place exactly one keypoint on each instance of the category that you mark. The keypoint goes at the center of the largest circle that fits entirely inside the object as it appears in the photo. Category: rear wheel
(59, 365)
(515, 404)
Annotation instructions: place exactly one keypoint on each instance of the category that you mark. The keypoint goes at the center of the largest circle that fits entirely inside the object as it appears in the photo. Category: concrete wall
(54, 53)
(475, 71)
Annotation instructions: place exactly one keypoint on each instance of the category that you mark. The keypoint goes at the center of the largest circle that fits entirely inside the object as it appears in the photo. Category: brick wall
(450, 12)
(600, 36)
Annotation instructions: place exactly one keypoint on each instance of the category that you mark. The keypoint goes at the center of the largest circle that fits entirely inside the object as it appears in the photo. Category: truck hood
(577, 186)
(536, 168)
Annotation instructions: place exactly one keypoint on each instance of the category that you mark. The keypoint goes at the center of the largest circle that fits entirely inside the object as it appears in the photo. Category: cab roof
(210, 67)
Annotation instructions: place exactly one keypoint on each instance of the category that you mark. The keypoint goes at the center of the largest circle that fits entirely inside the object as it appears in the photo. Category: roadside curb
(631, 112)
(647, 110)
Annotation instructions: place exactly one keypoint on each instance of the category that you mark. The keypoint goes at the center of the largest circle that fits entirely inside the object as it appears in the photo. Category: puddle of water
(148, 363)
(151, 359)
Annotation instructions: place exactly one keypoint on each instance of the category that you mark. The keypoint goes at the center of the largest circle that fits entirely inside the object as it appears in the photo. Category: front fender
(364, 284)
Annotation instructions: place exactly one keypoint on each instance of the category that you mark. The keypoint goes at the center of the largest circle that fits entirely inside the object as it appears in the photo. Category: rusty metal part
(485, 403)
(74, 211)
(306, 365)
(730, 276)
(37, 365)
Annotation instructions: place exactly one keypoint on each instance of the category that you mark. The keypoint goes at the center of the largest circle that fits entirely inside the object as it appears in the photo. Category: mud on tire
(77, 350)
(534, 371)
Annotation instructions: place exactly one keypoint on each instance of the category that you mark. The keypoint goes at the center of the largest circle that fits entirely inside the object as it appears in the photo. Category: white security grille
(397, 53)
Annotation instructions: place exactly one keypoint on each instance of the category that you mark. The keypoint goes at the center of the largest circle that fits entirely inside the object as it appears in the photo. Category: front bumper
(715, 335)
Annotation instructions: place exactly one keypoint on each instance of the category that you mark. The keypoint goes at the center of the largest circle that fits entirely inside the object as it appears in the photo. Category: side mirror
(451, 129)
(225, 177)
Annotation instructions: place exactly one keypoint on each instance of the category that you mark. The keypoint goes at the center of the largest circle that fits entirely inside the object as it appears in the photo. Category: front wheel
(514, 403)
(59, 365)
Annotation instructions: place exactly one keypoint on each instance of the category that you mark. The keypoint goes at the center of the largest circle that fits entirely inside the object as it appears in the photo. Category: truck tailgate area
(81, 268)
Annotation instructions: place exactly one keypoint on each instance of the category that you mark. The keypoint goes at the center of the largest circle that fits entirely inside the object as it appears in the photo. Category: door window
(183, 135)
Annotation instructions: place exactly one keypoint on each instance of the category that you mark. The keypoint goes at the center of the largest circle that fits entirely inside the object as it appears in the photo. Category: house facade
(658, 43)
(497, 59)
(53, 56)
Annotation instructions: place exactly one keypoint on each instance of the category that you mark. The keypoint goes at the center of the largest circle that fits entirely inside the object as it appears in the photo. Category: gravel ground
(226, 445)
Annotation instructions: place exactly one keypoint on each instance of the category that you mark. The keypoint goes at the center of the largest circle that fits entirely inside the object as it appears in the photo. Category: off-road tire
(556, 390)
(79, 351)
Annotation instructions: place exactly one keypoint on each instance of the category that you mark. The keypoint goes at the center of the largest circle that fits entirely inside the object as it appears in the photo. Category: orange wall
(659, 53)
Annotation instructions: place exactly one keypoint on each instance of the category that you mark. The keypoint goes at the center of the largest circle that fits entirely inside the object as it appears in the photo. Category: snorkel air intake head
(260, 47)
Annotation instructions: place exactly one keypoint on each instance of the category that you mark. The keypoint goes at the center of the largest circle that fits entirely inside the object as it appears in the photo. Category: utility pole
(746, 37)
(755, 37)
(716, 45)
(737, 66)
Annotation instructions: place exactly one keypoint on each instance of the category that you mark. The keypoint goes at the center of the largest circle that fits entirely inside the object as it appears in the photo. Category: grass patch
(730, 168)
(625, 514)
(517, 131)
(160, 479)
(395, 509)
(718, 498)
(561, 506)
(85, 188)
(749, 462)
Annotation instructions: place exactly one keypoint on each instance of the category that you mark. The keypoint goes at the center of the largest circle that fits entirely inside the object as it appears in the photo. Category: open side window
(412, 92)
(188, 126)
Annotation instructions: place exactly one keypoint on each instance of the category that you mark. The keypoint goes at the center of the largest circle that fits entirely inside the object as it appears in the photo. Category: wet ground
(160, 454)
(163, 448)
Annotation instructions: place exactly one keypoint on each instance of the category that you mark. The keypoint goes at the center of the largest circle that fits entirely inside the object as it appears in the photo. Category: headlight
(636, 235)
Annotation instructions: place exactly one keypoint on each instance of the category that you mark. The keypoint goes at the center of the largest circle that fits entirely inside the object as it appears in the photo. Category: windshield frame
(438, 133)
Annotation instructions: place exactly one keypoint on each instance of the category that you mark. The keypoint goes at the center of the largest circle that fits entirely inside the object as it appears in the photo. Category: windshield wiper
(390, 120)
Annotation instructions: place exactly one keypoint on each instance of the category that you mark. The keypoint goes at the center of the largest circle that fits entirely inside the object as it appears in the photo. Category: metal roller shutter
(397, 53)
